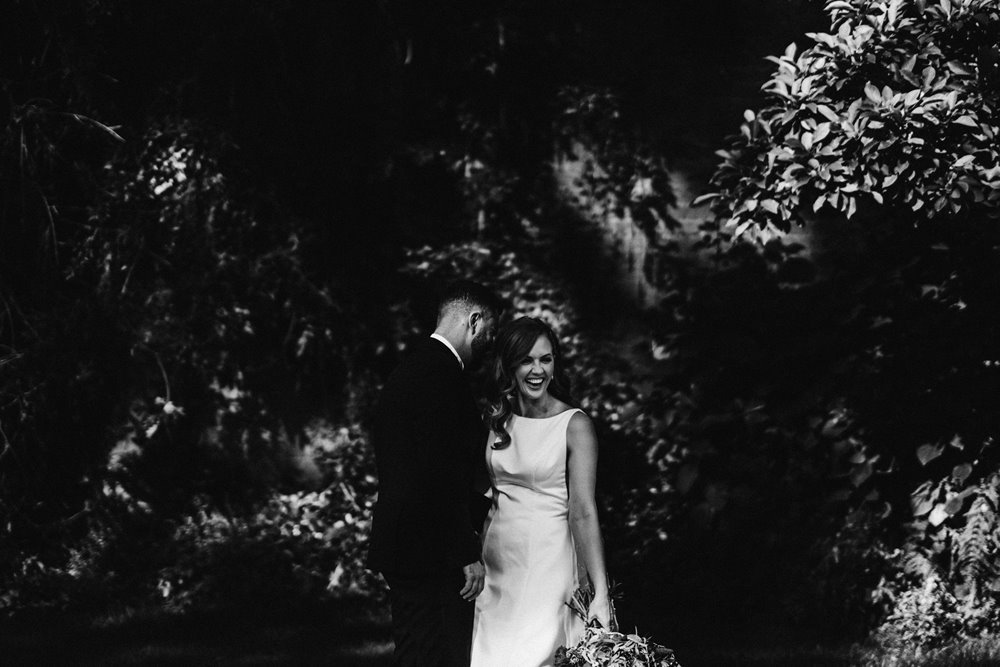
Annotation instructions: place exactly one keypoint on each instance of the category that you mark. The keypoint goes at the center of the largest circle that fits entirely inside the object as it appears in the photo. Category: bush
(896, 108)
(300, 545)
(296, 546)
(880, 138)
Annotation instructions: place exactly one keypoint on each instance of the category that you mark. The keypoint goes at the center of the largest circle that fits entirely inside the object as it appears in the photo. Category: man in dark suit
(429, 448)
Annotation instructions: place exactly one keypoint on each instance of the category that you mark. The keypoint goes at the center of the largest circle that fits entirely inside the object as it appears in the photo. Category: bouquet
(601, 647)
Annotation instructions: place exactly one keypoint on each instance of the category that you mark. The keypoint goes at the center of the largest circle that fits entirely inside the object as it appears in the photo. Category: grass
(970, 653)
(351, 632)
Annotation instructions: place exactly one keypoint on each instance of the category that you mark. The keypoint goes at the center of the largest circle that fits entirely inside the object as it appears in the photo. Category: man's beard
(479, 348)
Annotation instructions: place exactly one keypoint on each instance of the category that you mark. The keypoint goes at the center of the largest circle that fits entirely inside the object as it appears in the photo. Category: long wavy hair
(513, 343)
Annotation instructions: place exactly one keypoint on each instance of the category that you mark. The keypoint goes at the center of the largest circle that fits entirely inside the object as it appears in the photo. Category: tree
(881, 138)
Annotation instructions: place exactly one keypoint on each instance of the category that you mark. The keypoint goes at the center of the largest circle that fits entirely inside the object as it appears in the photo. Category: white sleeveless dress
(521, 616)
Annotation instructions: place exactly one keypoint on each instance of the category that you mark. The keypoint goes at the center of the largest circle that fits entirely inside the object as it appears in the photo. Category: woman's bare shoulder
(580, 426)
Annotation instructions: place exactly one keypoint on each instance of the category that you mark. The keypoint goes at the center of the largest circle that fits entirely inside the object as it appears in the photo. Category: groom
(429, 441)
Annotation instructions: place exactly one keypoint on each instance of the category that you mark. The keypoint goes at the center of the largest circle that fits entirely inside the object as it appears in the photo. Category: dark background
(222, 223)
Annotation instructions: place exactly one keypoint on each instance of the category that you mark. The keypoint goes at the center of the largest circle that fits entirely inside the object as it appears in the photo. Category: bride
(542, 458)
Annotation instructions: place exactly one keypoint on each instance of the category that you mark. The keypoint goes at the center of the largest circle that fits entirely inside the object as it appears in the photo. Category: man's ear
(475, 320)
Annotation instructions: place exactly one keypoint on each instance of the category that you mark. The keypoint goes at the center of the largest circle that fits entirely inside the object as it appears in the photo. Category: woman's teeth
(535, 383)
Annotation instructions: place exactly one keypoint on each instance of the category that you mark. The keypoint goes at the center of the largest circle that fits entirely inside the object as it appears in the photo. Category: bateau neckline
(540, 419)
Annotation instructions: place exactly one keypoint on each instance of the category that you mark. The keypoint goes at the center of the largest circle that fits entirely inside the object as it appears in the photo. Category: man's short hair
(468, 295)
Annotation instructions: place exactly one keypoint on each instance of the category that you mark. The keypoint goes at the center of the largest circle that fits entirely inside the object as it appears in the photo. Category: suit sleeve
(481, 503)
(446, 434)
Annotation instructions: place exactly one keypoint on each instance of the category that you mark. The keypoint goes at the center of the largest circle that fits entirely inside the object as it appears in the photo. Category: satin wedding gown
(521, 616)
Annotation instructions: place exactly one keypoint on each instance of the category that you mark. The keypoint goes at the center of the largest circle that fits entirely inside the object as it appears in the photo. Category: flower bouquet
(601, 647)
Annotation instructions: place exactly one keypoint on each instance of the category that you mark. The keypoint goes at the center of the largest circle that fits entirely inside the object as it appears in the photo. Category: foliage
(614, 649)
(186, 311)
(295, 546)
(213, 347)
(165, 329)
(880, 137)
(968, 653)
(926, 616)
(896, 107)
(301, 545)
(223, 306)
(621, 169)
(945, 572)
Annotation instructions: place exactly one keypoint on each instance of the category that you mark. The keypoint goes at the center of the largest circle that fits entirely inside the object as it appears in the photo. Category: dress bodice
(530, 473)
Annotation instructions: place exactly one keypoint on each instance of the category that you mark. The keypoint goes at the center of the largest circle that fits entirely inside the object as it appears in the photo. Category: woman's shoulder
(564, 409)
(580, 433)
(579, 420)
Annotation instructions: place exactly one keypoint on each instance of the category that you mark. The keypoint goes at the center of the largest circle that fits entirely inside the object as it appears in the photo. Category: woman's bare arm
(582, 482)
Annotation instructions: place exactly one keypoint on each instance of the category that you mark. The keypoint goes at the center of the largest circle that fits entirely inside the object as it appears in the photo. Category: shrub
(292, 546)
(880, 137)
(896, 107)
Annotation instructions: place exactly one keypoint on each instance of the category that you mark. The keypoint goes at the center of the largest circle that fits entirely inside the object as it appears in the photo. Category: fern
(974, 546)
(916, 564)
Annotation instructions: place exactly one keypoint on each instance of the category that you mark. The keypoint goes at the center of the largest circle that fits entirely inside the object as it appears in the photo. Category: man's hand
(475, 575)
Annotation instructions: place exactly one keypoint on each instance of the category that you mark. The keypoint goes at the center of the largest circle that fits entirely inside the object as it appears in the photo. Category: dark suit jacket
(428, 439)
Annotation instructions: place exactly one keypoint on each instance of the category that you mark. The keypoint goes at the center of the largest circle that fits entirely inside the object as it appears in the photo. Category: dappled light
(766, 236)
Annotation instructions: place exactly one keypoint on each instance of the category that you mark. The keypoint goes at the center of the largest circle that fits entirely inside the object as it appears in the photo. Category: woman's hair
(513, 343)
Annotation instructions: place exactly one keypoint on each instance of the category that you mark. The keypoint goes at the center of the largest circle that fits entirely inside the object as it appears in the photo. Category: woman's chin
(533, 395)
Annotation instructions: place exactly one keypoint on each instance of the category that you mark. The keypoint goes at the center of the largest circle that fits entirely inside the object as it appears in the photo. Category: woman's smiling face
(534, 372)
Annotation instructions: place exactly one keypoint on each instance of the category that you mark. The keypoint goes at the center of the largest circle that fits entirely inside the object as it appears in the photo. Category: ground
(346, 633)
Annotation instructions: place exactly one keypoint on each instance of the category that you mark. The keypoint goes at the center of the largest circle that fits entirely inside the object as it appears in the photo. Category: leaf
(927, 453)
(967, 121)
(818, 204)
(958, 68)
(922, 506)
(769, 205)
(822, 130)
(964, 160)
(701, 199)
(861, 473)
(954, 504)
(937, 516)
(109, 130)
(928, 75)
(828, 113)
(873, 94)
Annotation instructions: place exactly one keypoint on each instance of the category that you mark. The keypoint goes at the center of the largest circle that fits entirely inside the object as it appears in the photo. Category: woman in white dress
(542, 457)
